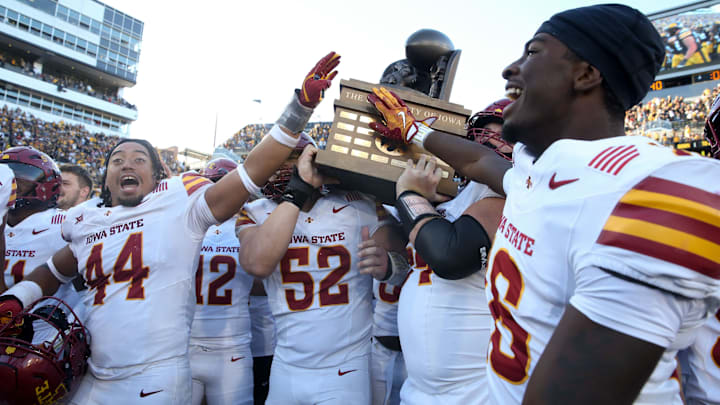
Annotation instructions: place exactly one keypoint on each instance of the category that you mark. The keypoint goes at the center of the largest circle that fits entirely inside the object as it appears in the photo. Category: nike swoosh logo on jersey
(146, 394)
(342, 373)
(34, 232)
(555, 184)
(336, 210)
(234, 359)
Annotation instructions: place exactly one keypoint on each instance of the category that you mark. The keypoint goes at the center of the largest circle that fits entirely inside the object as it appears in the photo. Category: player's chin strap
(453, 250)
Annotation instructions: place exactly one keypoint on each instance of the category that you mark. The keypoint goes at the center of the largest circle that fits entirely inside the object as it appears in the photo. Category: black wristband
(297, 191)
(412, 207)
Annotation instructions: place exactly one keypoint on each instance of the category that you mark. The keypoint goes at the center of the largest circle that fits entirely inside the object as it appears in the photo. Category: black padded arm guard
(453, 250)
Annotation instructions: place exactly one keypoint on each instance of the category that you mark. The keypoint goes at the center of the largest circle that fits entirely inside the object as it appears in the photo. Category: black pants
(261, 376)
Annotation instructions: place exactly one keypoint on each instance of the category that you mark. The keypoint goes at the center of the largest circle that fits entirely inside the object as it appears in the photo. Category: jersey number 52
(300, 256)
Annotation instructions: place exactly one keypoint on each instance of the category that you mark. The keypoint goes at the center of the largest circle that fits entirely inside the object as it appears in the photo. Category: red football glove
(10, 308)
(400, 124)
(318, 80)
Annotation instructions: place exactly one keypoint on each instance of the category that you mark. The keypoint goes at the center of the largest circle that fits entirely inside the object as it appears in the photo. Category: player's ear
(586, 76)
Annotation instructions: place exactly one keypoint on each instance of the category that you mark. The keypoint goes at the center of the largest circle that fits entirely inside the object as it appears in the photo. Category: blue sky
(213, 57)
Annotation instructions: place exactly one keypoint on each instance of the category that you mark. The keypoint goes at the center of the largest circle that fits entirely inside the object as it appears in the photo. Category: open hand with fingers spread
(422, 178)
(318, 80)
(400, 124)
(373, 257)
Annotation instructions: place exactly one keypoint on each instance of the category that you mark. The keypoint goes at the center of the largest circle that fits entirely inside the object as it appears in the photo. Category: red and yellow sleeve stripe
(13, 194)
(669, 221)
(193, 182)
(243, 219)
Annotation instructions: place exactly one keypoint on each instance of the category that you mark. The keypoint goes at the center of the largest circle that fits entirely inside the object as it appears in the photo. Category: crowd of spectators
(671, 120)
(66, 143)
(62, 81)
(249, 136)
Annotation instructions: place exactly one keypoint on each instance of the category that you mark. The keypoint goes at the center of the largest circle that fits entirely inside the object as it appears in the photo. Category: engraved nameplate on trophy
(362, 160)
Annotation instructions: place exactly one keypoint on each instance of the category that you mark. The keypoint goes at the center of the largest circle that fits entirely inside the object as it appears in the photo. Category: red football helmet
(712, 128)
(275, 187)
(36, 167)
(43, 372)
(216, 169)
(477, 132)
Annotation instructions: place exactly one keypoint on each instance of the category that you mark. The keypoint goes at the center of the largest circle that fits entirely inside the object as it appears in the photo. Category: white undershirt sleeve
(200, 217)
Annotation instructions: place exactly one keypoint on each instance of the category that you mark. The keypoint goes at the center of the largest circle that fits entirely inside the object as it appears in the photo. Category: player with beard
(305, 245)
(700, 363)
(76, 186)
(137, 246)
(220, 358)
(443, 316)
(608, 243)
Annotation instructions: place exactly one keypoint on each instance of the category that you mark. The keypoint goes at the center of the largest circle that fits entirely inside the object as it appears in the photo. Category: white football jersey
(139, 264)
(8, 189)
(222, 288)
(30, 244)
(321, 303)
(701, 365)
(263, 327)
(444, 324)
(624, 204)
(385, 310)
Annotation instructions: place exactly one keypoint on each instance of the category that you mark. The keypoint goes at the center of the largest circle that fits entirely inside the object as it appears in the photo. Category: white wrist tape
(250, 186)
(26, 291)
(399, 268)
(61, 277)
(281, 136)
(295, 116)
(422, 132)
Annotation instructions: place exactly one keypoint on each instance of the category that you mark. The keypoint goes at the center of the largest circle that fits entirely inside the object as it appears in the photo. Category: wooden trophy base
(362, 160)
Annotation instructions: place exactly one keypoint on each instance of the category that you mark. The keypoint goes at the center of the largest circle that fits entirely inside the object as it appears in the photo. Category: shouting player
(305, 244)
(443, 315)
(136, 246)
(606, 241)
(220, 358)
(700, 363)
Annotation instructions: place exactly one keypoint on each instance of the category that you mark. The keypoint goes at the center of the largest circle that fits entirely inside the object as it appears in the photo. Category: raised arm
(454, 250)
(228, 195)
(263, 246)
(469, 158)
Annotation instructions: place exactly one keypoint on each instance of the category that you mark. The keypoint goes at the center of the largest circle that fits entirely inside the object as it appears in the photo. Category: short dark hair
(81, 173)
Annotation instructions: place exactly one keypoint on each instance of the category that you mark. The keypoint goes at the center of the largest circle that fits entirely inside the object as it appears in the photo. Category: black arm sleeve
(453, 250)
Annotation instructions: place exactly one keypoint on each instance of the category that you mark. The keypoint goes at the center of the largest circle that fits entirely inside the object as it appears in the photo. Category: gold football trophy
(362, 159)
